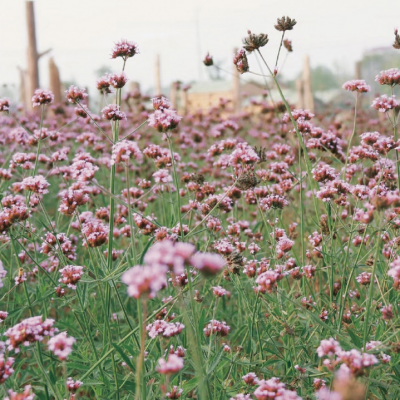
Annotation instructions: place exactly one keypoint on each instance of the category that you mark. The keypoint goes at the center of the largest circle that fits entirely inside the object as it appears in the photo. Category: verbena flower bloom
(162, 176)
(75, 94)
(71, 275)
(164, 120)
(390, 77)
(27, 394)
(73, 386)
(145, 281)
(4, 105)
(170, 366)
(125, 150)
(240, 60)
(112, 112)
(329, 348)
(124, 49)
(37, 184)
(42, 97)
(385, 103)
(118, 79)
(28, 331)
(61, 345)
(216, 328)
(357, 85)
(208, 263)
(3, 273)
(6, 369)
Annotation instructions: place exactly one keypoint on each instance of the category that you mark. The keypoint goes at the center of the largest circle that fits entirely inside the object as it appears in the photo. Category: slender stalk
(176, 181)
(140, 383)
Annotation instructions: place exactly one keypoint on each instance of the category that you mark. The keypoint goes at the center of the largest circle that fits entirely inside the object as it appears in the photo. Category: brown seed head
(285, 24)
(288, 45)
(254, 42)
(396, 43)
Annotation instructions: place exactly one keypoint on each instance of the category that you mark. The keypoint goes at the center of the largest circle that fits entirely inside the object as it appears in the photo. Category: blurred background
(332, 42)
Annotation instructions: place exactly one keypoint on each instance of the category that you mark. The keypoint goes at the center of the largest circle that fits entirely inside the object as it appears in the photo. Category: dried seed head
(235, 262)
(254, 42)
(288, 45)
(261, 152)
(208, 60)
(396, 43)
(247, 181)
(285, 24)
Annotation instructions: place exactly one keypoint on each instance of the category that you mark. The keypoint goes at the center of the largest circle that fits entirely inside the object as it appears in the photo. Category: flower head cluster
(240, 60)
(125, 150)
(118, 79)
(75, 94)
(4, 105)
(6, 369)
(95, 233)
(71, 275)
(27, 394)
(145, 281)
(170, 366)
(164, 120)
(112, 112)
(28, 331)
(37, 184)
(253, 42)
(215, 327)
(42, 97)
(61, 345)
(390, 77)
(385, 103)
(124, 49)
(357, 85)
(163, 328)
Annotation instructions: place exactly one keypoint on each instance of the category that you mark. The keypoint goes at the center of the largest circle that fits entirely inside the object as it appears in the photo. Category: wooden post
(33, 56)
(300, 93)
(236, 88)
(22, 88)
(308, 94)
(157, 76)
(174, 95)
(55, 84)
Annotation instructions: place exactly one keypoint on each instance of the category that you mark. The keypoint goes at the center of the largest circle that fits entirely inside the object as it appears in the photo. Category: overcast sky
(82, 32)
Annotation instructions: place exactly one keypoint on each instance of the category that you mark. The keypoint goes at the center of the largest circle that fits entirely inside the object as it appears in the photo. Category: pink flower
(389, 77)
(326, 394)
(61, 345)
(208, 263)
(250, 379)
(125, 150)
(75, 94)
(28, 331)
(71, 274)
(124, 49)
(36, 184)
(216, 328)
(173, 365)
(164, 120)
(385, 103)
(161, 103)
(42, 97)
(328, 347)
(6, 369)
(27, 394)
(72, 385)
(112, 112)
(4, 105)
(173, 255)
(240, 60)
(145, 281)
(219, 291)
(118, 79)
(162, 176)
(356, 85)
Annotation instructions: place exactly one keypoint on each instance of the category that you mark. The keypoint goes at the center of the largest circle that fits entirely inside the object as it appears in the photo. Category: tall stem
(176, 182)
(140, 384)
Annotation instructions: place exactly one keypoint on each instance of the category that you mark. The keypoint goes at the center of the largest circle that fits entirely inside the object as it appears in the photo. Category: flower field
(147, 253)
